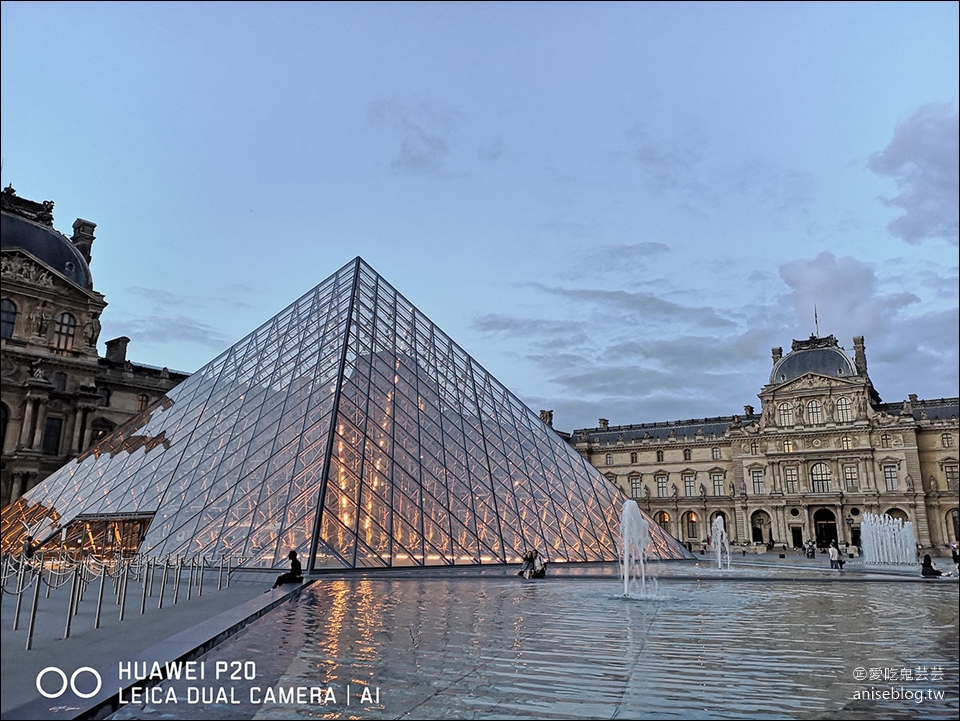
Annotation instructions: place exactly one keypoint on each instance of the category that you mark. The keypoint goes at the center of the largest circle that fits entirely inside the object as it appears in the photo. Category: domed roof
(817, 355)
(47, 245)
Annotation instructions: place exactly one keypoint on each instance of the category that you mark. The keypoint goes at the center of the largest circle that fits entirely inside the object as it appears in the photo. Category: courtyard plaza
(770, 638)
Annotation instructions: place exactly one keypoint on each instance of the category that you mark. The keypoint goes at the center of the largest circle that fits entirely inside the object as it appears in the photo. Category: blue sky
(618, 209)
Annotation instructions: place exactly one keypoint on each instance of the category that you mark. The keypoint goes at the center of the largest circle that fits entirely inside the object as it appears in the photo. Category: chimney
(604, 424)
(547, 417)
(117, 349)
(83, 237)
(860, 355)
(777, 354)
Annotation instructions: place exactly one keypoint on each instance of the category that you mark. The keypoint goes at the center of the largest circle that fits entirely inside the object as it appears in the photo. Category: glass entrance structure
(353, 430)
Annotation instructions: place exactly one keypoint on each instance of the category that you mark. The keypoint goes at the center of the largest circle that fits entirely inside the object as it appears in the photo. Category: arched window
(754, 448)
(609, 459)
(687, 454)
(715, 454)
(633, 456)
(663, 518)
(844, 410)
(788, 446)
(820, 478)
(815, 412)
(143, 400)
(659, 456)
(846, 443)
(8, 317)
(785, 414)
(885, 440)
(953, 523)
(692, 525)
(64, 331)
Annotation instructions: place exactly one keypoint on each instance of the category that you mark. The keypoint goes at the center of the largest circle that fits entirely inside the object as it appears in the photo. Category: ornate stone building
(823, 451)
(58, 395)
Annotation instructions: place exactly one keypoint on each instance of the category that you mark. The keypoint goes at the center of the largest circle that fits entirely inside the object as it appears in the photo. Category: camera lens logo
(71, 683)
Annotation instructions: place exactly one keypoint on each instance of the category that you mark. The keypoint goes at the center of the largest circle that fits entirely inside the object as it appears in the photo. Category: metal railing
(183, 577)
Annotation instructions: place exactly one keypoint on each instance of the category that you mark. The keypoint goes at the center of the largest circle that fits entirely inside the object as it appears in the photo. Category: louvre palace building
(822, 451)
(58, 395)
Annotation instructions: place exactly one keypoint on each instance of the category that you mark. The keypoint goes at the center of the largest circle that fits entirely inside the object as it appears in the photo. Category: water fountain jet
(635, 535)
(721, 542)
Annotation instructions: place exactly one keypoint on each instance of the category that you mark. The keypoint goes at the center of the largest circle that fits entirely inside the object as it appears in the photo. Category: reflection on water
(500, 647)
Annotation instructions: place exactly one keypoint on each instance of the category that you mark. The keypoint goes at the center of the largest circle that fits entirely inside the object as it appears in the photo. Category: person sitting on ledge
(927, 570)
(294, 576)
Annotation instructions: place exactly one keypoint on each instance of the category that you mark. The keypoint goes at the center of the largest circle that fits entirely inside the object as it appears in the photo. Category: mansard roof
(822, 356)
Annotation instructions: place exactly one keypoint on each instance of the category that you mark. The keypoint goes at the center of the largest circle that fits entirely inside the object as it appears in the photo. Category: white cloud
(923, 158)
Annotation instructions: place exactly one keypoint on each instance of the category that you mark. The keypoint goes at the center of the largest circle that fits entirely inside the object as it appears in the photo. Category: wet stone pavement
(783, 640)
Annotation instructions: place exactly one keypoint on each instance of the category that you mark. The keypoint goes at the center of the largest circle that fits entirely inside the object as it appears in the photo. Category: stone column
(16, 488)
(38, 434)
(26, 430)
(84, 429)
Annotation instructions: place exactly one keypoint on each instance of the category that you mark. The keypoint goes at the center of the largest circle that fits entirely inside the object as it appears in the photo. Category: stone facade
(58, 395)
(823, 450)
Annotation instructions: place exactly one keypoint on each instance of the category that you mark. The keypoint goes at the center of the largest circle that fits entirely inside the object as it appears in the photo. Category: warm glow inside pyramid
(350, 428)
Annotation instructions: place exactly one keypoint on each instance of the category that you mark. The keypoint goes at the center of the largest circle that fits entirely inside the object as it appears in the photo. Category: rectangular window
(953, 477)
(757, 482)
(791, 480)
(52, 430)
(688, 489)
(890, 478)
(633, 457)
(636, 488)
(718, 484)
(715, 454)
(662, 486)
(850, 478)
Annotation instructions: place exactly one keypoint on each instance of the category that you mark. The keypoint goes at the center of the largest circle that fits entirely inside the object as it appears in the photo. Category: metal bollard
(33, 609)
(190, 578)
(143, 591)
(70, 603)
(152, 574)
(176, 582)
(16, 612)
(124, 582)
(103, 580)
(200, 584)
(163, 581)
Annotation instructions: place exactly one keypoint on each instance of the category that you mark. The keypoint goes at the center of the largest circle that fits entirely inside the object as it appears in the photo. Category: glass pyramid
(348, 427)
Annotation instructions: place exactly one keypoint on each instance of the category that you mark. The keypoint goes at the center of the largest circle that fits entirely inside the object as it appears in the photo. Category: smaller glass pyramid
(348, 427)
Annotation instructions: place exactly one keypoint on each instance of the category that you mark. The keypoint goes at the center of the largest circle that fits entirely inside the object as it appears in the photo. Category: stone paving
(771, 638)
